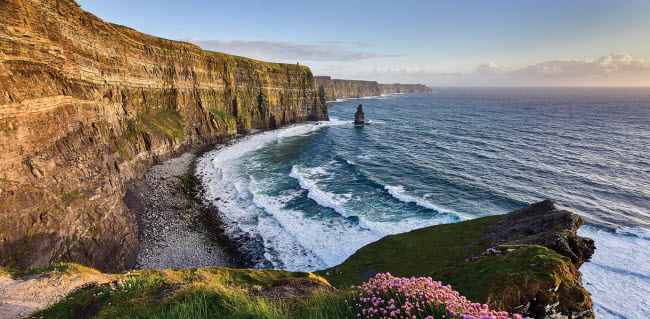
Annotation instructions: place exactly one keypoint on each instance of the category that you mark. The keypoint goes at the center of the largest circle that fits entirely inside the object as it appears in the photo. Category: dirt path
(24, 296)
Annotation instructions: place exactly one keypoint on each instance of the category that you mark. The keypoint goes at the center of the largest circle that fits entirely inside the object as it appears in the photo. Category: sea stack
(359, 117)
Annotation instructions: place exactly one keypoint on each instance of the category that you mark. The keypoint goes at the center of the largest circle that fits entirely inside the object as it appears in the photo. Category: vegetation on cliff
(520, 275)
(525, 278)
(86, 106)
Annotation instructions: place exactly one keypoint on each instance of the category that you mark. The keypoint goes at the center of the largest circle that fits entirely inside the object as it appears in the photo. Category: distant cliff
(403, 88)
(334, 89)
(86, 105)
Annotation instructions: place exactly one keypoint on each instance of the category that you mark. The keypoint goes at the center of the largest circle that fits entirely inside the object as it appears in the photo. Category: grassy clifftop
(194, 293)
(498, 260)
(520, 269)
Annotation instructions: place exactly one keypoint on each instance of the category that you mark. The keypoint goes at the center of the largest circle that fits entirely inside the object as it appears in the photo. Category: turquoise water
(312, 194)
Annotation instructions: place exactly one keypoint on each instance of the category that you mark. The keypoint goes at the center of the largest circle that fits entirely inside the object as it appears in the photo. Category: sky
(437, 43)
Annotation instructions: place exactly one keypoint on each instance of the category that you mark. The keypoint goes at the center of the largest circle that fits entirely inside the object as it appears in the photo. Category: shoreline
(171, 228)
(177, 225)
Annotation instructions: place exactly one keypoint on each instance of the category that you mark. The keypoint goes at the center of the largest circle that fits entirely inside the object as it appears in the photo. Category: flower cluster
(385, 296)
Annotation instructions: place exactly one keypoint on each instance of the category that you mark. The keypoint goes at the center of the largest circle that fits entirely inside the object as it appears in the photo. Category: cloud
(490, 68)
(411, 71)
(610, 65)
(358, 44)
(288, 51)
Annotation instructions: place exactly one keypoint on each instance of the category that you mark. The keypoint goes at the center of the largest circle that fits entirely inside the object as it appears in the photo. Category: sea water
(314, 193)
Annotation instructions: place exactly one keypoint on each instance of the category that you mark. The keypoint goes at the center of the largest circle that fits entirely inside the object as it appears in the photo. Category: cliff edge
(522, 262)
(87, 105)
(334, 89)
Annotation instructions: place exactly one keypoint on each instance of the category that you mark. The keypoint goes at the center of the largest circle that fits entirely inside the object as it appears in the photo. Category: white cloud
(609, 65)
(490, 68)
(283, 51)
(410, 71)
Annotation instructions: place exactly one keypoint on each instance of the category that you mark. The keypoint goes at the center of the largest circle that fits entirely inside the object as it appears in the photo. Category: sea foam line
(228, 190)
(397, 192)
(324, 199)
(316, 194)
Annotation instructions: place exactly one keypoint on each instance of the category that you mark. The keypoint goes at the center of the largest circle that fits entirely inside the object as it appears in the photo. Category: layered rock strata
(335, 89)
(86, 105)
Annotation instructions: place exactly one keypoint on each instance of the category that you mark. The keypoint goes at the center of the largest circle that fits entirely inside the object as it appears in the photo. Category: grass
(219, 113)
(433, 251)
(522, 273)
(70, 197)
(53, 269)
(228, 120)
(196, 293)
(165, 123)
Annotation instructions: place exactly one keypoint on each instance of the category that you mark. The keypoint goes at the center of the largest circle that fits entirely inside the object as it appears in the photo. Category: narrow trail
(20, 297)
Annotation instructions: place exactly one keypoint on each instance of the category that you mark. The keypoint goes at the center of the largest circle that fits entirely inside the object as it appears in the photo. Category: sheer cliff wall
(334, 89)
(403, 88)
(86, 105)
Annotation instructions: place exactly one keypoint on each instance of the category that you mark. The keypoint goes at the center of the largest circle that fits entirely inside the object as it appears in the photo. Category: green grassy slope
(515, 276)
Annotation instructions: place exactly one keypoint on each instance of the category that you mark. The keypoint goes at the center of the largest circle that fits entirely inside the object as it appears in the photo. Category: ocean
(312, 194)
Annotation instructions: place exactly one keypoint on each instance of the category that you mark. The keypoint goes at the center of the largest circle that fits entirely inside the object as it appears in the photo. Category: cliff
(334, 89)
(403, 88)
(86, 106)
(523, 262)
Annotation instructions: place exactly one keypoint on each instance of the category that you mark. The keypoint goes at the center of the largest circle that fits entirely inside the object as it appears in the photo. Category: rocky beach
(171, 229)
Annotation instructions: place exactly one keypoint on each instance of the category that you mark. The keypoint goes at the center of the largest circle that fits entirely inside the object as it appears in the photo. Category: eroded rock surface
(359, 117)
(86, 106)
(544, 225)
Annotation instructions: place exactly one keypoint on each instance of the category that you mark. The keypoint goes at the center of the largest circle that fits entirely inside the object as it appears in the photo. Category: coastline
(171, 229)
(178, 225)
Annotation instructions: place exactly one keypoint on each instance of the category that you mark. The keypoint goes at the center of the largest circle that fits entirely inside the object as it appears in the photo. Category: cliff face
(86, 105)
(403, 88)
(334, 89)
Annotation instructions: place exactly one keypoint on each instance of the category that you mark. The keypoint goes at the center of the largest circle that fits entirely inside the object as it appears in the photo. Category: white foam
(401, 225)
(618, 275)
(322, 198)
(399, 193)
(220, 174)
(331, 240)
(635, 231)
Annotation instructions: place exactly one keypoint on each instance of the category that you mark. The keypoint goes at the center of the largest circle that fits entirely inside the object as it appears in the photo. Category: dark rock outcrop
(359, 117)
(334, 89)
(544, 225)
(86, 105)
